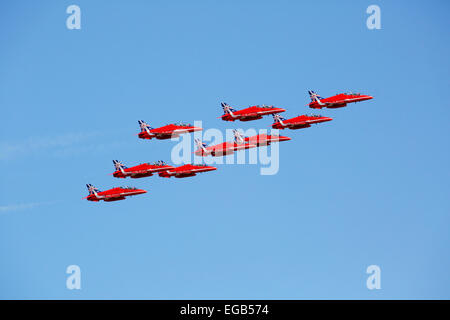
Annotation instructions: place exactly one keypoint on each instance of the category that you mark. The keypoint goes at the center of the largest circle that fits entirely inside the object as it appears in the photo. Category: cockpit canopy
(129, 188)
(182, 124)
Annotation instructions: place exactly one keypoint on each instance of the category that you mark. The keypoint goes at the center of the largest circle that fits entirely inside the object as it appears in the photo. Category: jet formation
(240, 141)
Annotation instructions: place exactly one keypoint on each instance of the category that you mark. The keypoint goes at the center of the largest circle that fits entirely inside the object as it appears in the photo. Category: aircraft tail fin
(92, 189)
(314, 96)
(277, 118)
(144, 126)
(238, 137)
(227, 108)
(119, 165)
(200, 145)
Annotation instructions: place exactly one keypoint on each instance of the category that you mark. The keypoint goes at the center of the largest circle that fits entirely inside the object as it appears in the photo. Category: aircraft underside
(165, 137)
(250, 118)
(114, 199)
(301, 126)
(185, 175)
(141, 175)
(221, 153)
(334, 106)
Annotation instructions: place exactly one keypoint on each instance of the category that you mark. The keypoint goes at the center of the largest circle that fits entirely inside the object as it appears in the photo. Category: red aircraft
(338, 101)
(187, 170)
(300, 122)
(112, 194)
(221, 149)
(167, 132)
(247, 114)
(259, 139)
(140, 171)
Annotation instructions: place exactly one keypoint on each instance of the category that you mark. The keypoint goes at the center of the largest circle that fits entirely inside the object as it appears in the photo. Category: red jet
(337, 101)
(221, 149)
(188, 170)
(140, 171)
(259, 139)
(300, 122)
(167, 132)
(114, 194)
(247, 114)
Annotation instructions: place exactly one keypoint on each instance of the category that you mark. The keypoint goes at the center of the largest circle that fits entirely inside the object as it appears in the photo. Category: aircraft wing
(242, 146)
(180, 131)
(251, 115)
(140, 172)
(183, 172)
(333, 103)
(167, 134)
(114, 196)
(221, 147)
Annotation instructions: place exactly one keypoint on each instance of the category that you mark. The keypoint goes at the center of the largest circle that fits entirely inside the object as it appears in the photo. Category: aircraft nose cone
(328, 119)
(281, 138)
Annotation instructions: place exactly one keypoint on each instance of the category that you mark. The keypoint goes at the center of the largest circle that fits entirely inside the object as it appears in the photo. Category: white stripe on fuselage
(231, 114)
(320, 102)
(351, 100)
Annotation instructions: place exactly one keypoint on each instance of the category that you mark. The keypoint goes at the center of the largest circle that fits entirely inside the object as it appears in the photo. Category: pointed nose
(327, 119)
(281, 138)
(280, 110)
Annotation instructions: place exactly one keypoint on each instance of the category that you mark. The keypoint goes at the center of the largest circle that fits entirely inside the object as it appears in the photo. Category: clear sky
(369, 187)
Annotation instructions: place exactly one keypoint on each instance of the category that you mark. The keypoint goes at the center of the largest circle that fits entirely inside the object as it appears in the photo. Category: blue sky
(370, 187)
